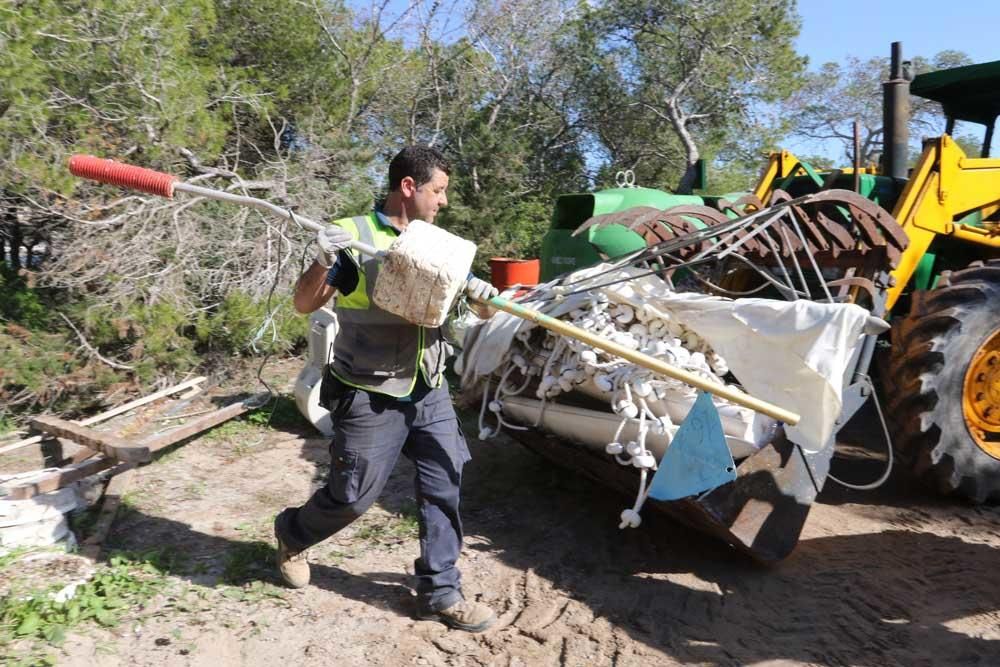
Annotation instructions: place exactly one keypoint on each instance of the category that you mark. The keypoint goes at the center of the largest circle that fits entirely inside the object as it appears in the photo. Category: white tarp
(791, 353)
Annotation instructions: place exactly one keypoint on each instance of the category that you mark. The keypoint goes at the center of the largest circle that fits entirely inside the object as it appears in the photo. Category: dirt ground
(891, 577)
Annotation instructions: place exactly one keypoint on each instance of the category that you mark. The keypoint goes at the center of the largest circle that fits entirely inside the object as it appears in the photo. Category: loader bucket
(761, 513)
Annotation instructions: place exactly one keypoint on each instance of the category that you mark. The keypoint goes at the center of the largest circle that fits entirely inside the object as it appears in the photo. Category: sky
(835, 29)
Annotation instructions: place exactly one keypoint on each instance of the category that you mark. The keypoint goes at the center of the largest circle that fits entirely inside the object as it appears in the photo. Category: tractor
(939, 366)
(939, 282)
(916, 245)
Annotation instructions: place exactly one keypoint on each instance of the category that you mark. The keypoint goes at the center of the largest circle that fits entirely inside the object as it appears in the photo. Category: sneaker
(292, 565)
(464, 615)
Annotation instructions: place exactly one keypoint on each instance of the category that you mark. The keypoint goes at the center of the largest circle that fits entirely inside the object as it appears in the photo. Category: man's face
(423, 202)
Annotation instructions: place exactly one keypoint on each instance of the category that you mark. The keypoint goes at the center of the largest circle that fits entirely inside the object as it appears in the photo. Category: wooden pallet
(100, 451)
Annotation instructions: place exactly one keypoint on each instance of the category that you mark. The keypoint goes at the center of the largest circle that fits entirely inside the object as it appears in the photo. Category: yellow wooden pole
(644, 360)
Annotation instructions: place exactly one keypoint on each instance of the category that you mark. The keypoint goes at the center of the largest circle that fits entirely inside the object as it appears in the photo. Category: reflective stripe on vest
(374, 349)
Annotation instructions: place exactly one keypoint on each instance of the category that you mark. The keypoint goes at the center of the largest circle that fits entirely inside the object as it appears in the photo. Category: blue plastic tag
(698, 458)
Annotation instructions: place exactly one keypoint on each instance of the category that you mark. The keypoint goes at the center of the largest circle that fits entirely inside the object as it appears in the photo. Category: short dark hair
(417, 162)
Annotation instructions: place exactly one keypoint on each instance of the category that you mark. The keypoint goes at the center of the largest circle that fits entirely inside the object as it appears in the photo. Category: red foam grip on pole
(124, 175)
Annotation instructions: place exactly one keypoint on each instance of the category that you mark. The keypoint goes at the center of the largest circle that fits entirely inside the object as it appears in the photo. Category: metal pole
(274, 209)
(857, 156)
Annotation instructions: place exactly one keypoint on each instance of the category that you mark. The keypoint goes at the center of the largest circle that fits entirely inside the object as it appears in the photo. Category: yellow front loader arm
(944, 187)
(780, 165)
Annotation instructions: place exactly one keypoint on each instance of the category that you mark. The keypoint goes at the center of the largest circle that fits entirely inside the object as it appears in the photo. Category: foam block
(422, 273)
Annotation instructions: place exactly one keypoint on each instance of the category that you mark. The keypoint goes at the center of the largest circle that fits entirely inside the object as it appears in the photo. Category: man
(386, 390)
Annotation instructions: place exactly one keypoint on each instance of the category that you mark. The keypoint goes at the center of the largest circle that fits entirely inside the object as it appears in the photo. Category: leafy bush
(162, 339)
(513, 230)
(41, 360)
(240, 324)
(104, 599)
(151, 339)
(35, 365)
(20, 302)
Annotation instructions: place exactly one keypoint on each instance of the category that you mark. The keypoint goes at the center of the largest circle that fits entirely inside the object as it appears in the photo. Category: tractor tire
(945, 374)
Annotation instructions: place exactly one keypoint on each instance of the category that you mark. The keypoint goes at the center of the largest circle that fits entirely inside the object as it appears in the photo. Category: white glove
(331, 240)
(480, 289)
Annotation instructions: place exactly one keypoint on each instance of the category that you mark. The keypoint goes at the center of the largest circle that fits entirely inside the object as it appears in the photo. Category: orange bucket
(505, 272)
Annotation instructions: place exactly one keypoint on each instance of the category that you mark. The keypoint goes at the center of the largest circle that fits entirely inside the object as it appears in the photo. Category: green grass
(337, 557)
(195, 490)
(138, 500)
(15, 554)
(254, 591)
(248, 566)
(248, 560)
(233, 428)
(6, 425)
(400, 526)
(82, 521)
(279, 413)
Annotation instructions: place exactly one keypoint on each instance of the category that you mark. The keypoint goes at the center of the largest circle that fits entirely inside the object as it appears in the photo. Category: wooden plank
(114, 412)
(53, 452)
(117, 488)
(61, 452)
(201, 424)
(125, 407)
(60, 478)
(33, 440)
(110, 445)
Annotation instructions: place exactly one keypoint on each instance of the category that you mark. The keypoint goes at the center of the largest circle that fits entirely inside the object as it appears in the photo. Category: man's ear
(408, 186)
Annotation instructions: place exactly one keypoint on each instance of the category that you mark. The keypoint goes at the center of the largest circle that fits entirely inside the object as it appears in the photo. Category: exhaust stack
(896, 116)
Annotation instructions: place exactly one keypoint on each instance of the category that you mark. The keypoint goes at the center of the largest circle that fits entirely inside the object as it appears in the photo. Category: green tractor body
(563, 252)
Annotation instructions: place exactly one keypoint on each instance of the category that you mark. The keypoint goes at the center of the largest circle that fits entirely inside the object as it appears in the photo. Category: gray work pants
(370, 430)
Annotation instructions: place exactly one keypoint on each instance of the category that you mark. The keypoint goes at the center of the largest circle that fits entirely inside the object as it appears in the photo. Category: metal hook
(625, 179)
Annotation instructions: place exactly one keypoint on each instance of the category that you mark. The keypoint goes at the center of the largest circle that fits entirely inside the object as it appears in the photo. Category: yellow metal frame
(946, 185)
(781, 165)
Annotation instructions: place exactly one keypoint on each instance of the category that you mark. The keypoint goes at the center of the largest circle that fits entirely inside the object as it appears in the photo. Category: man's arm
(326, 275)
(312, 291)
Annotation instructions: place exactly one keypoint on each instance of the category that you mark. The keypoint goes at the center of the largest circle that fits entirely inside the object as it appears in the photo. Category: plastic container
(562, 252)
(505, 271)
(322, 331)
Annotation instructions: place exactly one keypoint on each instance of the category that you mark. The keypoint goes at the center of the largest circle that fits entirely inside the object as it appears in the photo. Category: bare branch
(90, 348)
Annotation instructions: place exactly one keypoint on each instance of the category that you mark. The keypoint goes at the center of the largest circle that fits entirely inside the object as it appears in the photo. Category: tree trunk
(691, 151)
(686, 184)
(15, 238)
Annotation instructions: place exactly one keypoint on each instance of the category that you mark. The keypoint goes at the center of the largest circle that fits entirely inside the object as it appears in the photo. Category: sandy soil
(892, 577)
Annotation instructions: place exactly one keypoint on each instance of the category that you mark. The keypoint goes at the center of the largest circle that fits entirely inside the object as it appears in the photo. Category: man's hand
(331, 240)
(480, 290)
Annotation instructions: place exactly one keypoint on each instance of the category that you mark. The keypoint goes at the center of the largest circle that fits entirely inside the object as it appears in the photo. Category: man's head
(419, 175)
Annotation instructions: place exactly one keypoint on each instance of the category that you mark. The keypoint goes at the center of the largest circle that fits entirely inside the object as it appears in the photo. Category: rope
(889, 454)
(269, 322)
